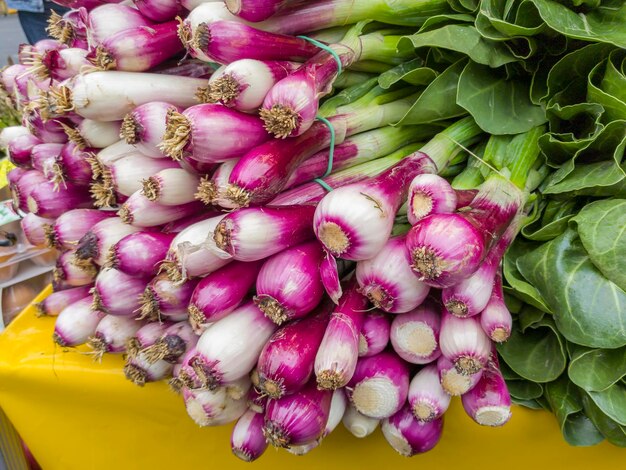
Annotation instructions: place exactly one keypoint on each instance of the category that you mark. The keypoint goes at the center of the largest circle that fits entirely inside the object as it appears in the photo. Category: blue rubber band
(323, 46)
(331, 154)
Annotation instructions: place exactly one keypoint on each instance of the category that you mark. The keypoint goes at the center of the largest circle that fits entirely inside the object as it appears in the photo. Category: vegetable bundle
(312, 229)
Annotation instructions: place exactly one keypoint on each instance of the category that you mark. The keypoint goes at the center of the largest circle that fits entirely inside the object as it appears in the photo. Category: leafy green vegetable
(499, 105)
(613, 432)
(589, 309)
(536, 354)
(597, 369)
(602, 230)
(566, 403)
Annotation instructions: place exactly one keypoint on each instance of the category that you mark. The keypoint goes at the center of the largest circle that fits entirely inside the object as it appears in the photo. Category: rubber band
(323, 46)
(331, 155)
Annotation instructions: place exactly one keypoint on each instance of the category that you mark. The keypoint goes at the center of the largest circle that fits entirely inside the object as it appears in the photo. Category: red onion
(229, 349)
(409, 436)
(452, 381)
(337, 355)
(374, 335)
(380, 385)
(146, 336)
(20, 148)
(159, 10)
(94, 134)
(286, 294)
(139, 253)
(247, 441)
(76, 323)
(361, 232)
(256, 10)
(71, 274)
(145, 126)
(141, 212)
(66, 231)
(213, 407)
(97, 242)
(430, 194)
(211, 133)
(386, 279)
(112, 335)
(44, 156)
(463, 342)
(117, 293)
(220, 292)
(441, 260)
(47, 201)
(23, 188)
(175, 341)
(243, 84)
(72, 164)
(107, 20)
(171, 187)
(358, 424)
(35, 228)
(256, 233)
(495, 319)
(163, 297)
(286, 362)
(56, 302)
(427, 398)
(415, 335)
(299, 418)
(489, 402)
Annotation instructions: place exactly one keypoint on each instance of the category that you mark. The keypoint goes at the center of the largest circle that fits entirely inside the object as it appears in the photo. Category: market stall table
(77, 414)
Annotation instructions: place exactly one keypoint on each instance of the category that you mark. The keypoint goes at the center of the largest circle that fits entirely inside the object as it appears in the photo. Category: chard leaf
(614, 81)
(588, 308)
(575, 68)
(538, 354)
(461, 38)
(529, 317)
(602, 24)
(597, 369)
(613, 432)
(524, 389)
(437, 21)
(565, 401)
(493, 22)
(498, 105)
(532, 404)
(614, 108)
(520, 287)
(548, 231)
(612, 402)
(413, 72)
(602, 230)
(438, 101)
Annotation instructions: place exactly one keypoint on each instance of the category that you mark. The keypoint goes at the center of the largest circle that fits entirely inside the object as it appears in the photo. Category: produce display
(306, 213)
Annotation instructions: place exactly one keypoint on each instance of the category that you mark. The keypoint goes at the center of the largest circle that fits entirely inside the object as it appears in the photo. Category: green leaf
(597, 369)
(499, 106)
(565, 401)
(614, 81)
(437, 21)
(538, 354)
(588, 309)
(524, 389)
(614, 108)
(612, 402)
(602, 230)
(573, 176)
(520, 287)
(529, 317)
(438, 101)
(532, 404)
(599, 25)
(548, 231)
(412, 72)
(613, 432)
(461, 38)
(575, 68)
(493, 23)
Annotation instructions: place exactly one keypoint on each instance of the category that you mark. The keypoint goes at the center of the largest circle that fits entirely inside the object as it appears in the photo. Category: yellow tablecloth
(75, 414)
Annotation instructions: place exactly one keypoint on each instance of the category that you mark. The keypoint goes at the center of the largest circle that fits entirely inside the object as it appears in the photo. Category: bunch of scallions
(245, 204)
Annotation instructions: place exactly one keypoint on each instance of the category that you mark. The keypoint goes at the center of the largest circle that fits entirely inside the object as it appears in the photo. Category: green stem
(447, 144)
(523, 152)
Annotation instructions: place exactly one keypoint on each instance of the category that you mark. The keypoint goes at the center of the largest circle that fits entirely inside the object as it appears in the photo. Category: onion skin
(371, 374)
(35, 228)
(285, 295)
(54, 304)
(415, 335)
(495, 319)
(409, 436)
(44, 201)
(71, 226)
(489, 402)
(76, 323)
(463, 342)
(374, 335)
(159, 10)
(117, 293)
(221, 292)
(251, 10)
(20, 148)
(286, 362)
(140, 253)
(247, 441)
(297, 419)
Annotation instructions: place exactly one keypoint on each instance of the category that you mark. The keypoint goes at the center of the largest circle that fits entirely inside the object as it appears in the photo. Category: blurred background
(11, 34)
